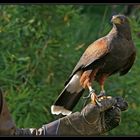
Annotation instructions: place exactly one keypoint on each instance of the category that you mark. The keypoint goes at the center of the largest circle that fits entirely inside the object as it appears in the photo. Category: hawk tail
(66, 102)
(68, 98)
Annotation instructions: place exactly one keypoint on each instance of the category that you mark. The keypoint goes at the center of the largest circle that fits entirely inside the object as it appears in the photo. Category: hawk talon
(98, 103)
(102, 93)
(94, 98)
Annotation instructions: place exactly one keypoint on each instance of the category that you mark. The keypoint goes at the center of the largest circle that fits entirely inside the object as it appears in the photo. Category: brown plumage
(113, 53)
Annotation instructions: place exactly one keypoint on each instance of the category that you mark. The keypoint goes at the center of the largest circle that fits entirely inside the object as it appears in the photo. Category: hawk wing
(95, 51)
(129, 64)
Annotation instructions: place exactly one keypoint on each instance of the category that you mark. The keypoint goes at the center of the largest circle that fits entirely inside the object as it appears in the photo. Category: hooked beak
(116, 20)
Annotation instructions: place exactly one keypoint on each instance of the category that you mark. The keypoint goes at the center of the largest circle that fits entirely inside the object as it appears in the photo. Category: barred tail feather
(69, 97)
(66, 102)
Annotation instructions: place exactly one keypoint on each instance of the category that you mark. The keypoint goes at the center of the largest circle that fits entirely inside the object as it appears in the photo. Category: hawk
(108, 55)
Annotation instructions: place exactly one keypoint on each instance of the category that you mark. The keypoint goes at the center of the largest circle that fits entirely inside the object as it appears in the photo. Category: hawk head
(119, 19)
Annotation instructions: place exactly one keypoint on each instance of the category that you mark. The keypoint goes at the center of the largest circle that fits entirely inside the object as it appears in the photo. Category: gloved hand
(7, 126)
(93, 119)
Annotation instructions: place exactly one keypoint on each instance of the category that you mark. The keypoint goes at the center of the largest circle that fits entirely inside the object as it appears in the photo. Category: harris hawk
(111, 54)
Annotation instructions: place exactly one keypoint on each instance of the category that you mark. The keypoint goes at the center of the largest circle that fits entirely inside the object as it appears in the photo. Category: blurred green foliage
(39, 47)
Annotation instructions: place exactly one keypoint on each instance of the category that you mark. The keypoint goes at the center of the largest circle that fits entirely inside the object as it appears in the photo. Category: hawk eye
(123, 19)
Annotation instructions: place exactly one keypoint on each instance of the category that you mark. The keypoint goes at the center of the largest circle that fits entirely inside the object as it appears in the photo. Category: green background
(39, 47)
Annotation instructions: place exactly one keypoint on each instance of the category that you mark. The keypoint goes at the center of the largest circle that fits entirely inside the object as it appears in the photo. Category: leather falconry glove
(93, 119)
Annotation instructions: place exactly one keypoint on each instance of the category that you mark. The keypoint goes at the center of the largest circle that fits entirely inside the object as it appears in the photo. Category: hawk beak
(116, 20)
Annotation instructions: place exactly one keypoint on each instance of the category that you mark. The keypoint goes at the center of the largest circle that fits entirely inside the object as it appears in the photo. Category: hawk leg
(102, 92)
(101, 82)
(86, 82)
(94, 97)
